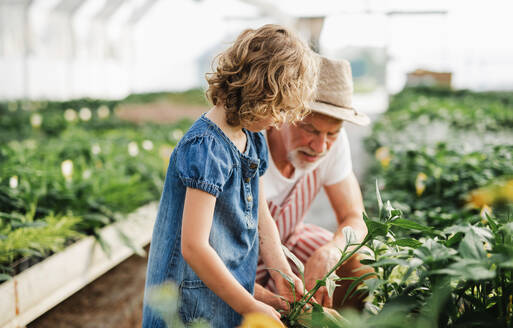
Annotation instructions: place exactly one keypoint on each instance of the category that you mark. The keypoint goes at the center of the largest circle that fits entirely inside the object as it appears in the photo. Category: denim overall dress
(206, 159)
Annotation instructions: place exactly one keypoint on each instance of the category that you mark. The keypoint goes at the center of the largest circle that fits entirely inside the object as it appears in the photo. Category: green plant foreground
(69, 168)
(443, 245)
(439, 198)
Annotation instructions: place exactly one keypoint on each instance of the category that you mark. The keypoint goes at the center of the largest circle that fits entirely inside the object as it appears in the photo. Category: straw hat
(334, 95)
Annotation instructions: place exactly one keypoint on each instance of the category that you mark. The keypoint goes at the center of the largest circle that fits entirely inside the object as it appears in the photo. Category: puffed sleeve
(262, 152)
(204, 163)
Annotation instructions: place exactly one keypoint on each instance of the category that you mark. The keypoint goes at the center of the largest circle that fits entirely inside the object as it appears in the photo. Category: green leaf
(407, 242)
(470, 269)
(472, 246)
(294, 259)
(355, 284)
(316, 307)
(375, 228)
(506, 264)
(388, 261)
(433, 251)
(4, 277)
(380, 201)
(454, 239)
(491, 222)
(373, 284)
(408, 224)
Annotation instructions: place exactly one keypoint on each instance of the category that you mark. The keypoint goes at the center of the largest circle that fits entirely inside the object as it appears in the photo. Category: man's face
(309, 140)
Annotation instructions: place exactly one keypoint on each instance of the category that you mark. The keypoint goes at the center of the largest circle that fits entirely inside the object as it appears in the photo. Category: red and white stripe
(301, 239)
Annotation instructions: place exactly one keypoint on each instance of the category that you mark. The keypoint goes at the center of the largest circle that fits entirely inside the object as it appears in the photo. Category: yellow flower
(383, 156)
(260, 320)
(420, 183)
(480, 198)
(507, 191)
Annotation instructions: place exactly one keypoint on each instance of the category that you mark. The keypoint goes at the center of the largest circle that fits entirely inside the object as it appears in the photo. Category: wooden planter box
(44, 285)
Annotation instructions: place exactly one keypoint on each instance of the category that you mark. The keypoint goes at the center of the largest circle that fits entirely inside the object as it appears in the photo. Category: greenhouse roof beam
(139, 14)
(108, 10)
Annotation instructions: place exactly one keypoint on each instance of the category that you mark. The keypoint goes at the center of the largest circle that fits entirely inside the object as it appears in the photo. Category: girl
(213, 217)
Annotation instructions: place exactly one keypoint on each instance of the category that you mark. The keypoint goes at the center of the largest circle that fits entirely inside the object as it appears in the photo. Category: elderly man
(303, 158)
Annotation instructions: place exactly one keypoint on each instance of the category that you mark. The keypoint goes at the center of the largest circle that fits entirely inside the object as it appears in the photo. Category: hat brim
(341, 113)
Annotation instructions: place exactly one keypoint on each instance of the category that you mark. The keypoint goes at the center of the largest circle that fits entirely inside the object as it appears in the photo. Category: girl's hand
(261, 307)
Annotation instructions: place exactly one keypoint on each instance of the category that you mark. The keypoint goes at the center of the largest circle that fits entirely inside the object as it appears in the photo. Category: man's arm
(347, 203)
(346, 200)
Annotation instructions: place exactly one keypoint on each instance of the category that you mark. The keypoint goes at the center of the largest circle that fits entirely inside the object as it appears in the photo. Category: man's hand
(286, 291)
(317, 266)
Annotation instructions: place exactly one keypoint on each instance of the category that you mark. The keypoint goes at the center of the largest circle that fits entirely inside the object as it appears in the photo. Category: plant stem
(308, 296)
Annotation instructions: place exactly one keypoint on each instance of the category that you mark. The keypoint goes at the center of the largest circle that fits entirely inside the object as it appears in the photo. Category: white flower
(177, 134)
(96, 149)
(86, 174)
(331, 283)
(67, 169)
(103, 111)
(133, 149)
(85, 114)
(13, 182)
(147, 145)
(36, 120)
(70, 115)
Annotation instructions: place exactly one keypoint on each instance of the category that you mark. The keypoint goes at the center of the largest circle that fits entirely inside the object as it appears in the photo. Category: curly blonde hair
(267, 72)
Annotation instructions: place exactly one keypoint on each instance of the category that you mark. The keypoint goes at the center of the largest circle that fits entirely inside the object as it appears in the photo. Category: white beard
(294, 157)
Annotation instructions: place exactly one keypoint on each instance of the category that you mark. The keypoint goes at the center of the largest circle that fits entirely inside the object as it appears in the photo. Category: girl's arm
(198, 214)
(271, 252)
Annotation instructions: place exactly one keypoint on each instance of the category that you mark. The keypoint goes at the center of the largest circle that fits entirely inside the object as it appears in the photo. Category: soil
(112, 301)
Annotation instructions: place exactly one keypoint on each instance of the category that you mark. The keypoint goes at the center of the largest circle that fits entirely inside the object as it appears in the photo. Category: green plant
(73, 159)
